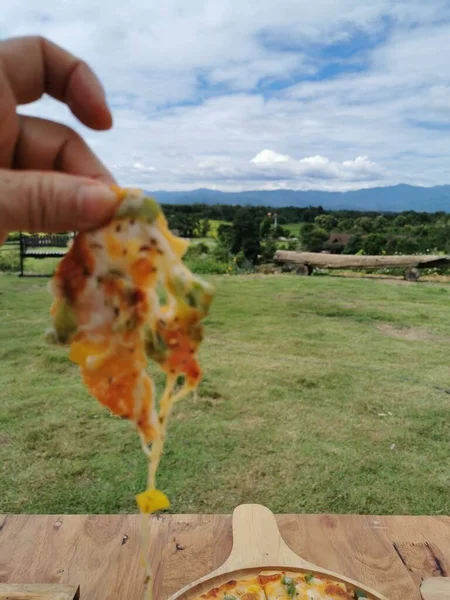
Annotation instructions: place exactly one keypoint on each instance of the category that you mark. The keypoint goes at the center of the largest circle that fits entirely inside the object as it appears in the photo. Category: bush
(240, 260)
(196, 250)
(9, 259)
(268, 251)
(221, 253)
(208, 265)
(292, 245)
(334, 248)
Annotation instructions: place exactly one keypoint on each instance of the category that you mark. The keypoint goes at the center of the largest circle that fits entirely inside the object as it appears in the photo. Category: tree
(380, 224)
(400, 221)
(268, 251)
(246, 234)
(279, 231)
(327, 222)
(354, 245)
(313, 238)
(225, 236)
(374, 244)
(187, 225)
(265, 228)
(310, 213)
(403, 245)
(344, 225)
(364, 224)
(205, 227)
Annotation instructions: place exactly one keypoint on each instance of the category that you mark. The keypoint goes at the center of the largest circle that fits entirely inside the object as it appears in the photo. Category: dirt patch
(413, 334)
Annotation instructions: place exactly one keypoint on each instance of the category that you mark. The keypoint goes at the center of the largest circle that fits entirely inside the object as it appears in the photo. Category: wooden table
(101, 553)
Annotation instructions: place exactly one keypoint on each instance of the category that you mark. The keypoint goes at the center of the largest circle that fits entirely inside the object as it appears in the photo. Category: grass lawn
(294, 228)
(214, 226)
(321, 394)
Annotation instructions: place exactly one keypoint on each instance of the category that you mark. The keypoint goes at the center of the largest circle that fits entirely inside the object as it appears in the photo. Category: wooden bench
(42, 246)
(303, 263)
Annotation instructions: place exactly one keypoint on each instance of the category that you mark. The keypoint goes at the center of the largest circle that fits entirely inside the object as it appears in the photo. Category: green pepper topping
(197, 294)
(359, 594)
(309, 577)
(65, 322)
(115, 273)
(147, 211)
(290, 584)
(155, 346)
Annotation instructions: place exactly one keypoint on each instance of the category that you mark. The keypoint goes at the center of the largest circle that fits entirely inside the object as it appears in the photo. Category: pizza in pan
(285, 586)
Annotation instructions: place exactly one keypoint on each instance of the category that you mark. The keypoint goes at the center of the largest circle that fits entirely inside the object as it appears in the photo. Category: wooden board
(437, 588)
(44, 591)
(101, 552)
(258, 546)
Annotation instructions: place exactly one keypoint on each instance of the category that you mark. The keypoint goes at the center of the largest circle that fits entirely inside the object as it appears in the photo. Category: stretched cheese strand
(107, 307)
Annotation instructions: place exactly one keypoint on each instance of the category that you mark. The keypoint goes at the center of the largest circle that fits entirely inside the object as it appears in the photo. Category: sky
(269, 94)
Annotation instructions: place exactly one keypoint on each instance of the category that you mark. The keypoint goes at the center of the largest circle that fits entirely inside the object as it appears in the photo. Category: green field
(294, 228)
(214, 226)
(321, 394)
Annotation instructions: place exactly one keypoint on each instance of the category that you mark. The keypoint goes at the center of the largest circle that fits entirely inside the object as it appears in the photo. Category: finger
(38, 201)
(9, 122)
(44, 146)
(35, 65)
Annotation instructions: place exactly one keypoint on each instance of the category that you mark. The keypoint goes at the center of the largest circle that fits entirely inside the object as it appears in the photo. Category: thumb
(51, 202)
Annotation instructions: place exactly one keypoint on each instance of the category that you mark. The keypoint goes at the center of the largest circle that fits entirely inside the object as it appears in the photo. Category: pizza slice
(122, 296)
(107, 306)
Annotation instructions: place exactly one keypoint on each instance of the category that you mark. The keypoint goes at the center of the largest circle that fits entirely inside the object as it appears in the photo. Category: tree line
(250, 232)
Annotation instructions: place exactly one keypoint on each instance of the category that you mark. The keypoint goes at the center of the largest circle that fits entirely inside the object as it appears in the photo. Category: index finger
(35, 66)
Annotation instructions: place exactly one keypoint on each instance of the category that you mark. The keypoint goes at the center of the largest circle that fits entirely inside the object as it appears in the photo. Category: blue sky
(330, 94)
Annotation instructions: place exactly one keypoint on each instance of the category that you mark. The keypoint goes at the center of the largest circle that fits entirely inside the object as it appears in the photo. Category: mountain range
(395, 198)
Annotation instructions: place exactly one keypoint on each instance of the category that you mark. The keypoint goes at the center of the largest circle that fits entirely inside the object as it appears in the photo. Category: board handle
(257, 541)
(436, 588)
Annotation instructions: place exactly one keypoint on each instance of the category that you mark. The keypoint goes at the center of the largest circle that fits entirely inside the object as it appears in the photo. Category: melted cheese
(244, 589)
(291, 586)
(282, 586)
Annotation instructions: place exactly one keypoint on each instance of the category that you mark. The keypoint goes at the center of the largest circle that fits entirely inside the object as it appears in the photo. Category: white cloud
(188, 83)
(269, 157)
(281, 166)
(140, 167)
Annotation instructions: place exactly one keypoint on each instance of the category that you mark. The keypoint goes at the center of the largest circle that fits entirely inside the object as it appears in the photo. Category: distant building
(339, 238)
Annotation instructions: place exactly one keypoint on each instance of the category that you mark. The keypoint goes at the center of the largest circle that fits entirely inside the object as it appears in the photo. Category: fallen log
(307, 261)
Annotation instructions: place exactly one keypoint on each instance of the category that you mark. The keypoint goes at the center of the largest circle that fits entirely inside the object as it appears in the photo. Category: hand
(50, 180)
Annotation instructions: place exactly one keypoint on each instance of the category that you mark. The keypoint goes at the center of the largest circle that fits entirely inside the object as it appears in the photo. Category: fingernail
(96, 203)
